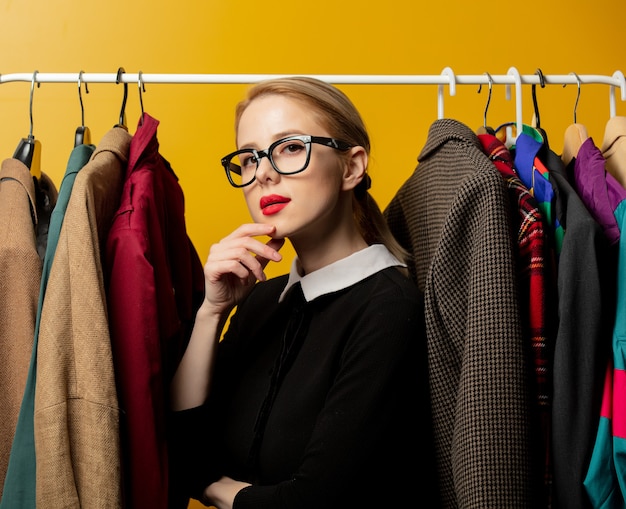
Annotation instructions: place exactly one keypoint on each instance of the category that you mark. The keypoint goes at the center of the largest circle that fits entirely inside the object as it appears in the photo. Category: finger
(237, 260)
(217, 270)
(242, 248)
(276, 244)
(251, 230)
(257, 258)
(273, 246)
(239, 250)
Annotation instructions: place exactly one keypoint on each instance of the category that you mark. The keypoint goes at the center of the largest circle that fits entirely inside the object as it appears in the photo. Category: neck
(314, 255)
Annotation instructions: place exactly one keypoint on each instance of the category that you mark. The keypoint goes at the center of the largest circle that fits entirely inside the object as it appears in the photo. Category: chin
(278, 234)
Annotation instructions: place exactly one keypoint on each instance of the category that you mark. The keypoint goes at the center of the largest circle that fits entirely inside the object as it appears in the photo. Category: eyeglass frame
(260, 154)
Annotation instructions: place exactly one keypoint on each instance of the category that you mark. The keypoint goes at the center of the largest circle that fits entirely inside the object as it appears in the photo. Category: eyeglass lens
(289, 156)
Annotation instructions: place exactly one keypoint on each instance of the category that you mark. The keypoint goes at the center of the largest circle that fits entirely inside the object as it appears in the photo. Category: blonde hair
(338, 115)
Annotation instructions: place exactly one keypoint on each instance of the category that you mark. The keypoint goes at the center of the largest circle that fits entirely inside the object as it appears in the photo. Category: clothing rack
(447, 77)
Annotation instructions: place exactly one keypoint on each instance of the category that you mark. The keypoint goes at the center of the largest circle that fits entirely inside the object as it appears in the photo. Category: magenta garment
(597, 188)
(155, 283)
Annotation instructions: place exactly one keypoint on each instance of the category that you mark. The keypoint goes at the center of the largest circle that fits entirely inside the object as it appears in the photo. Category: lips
(272, 204)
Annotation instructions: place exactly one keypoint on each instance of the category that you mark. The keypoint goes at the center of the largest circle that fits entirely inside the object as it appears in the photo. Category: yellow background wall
(273, 36)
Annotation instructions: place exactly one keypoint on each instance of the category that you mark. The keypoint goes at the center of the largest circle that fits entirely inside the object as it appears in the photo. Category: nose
(265, 171)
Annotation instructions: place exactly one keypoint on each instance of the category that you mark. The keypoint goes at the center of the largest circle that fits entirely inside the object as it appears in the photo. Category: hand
(221, 493)
(236, 263)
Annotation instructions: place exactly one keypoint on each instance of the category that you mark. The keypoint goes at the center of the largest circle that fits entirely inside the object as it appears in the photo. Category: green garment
(20, 482)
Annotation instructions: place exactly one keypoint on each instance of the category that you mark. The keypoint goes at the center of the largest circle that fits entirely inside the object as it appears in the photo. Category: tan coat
(20, 277)
(76, 409)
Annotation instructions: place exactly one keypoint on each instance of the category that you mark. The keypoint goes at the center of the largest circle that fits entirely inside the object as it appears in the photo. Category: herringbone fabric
(20, 276)
(452, 214)
(76, 410)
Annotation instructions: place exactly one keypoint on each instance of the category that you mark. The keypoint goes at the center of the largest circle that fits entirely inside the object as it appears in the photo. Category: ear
(356, 165)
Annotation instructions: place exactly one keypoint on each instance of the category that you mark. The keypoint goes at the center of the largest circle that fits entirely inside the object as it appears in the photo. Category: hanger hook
(142, 88)
(121, 71)
(542, 82)
(480, 86)
(578, 82)
(32, 88)
(80, 98)
(447, 71)
(542, 79)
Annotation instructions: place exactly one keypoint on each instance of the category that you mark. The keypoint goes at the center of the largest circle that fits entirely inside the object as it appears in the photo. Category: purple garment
(598, 189)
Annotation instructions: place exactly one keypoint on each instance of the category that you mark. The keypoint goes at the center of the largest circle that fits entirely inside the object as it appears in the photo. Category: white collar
(342, 273)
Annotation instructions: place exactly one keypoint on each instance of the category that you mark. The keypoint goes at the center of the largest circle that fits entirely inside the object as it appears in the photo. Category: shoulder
(380, 318)
(393, 285)
(387, 300)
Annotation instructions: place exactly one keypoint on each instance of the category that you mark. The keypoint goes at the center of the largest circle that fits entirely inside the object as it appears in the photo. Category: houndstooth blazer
(452, 214)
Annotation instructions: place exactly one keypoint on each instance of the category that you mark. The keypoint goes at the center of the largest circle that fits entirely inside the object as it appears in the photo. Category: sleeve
(194, 433)
(189, 452)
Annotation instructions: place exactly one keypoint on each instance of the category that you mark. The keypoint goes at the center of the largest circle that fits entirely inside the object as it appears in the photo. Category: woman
(317, 395)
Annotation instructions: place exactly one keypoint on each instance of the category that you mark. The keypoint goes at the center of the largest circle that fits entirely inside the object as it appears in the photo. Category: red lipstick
(272, 204)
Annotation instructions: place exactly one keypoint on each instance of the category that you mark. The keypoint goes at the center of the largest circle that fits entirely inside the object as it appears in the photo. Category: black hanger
(28, 150)
(485, 128)
(83, 135)
(542, 83)
(122, 120)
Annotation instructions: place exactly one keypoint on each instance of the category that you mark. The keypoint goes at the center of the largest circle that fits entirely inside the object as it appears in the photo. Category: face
(303, 204)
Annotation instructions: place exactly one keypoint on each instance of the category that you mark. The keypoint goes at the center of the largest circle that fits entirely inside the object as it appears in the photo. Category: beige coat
(20, 277)
(76, 410)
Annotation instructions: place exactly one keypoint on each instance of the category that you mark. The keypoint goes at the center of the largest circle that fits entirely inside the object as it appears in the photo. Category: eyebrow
(278, 136)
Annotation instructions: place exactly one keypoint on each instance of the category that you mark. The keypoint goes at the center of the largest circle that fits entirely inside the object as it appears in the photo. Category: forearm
(190, 385)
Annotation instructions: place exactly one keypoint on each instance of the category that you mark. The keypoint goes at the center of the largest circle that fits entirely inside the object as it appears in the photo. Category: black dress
(320, 404)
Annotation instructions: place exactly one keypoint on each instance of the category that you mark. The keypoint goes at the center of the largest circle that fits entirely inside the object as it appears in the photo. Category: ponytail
(372, 223)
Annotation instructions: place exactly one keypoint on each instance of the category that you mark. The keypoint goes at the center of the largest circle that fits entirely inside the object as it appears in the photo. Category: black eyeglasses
(287, 156)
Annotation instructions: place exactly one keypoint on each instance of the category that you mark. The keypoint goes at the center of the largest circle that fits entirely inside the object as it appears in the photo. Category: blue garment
(527, 147)
(535, 176)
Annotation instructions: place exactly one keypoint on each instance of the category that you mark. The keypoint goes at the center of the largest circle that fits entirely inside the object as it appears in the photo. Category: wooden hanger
(575, 135)
(614, 148)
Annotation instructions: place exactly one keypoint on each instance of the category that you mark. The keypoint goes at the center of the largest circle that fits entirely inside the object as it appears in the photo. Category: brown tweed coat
(20, 277)
(76, 410)
(452, 214)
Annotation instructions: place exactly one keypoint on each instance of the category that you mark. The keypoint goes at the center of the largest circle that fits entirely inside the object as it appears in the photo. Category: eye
(294, 148)
(290, 148)
(248, 160)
